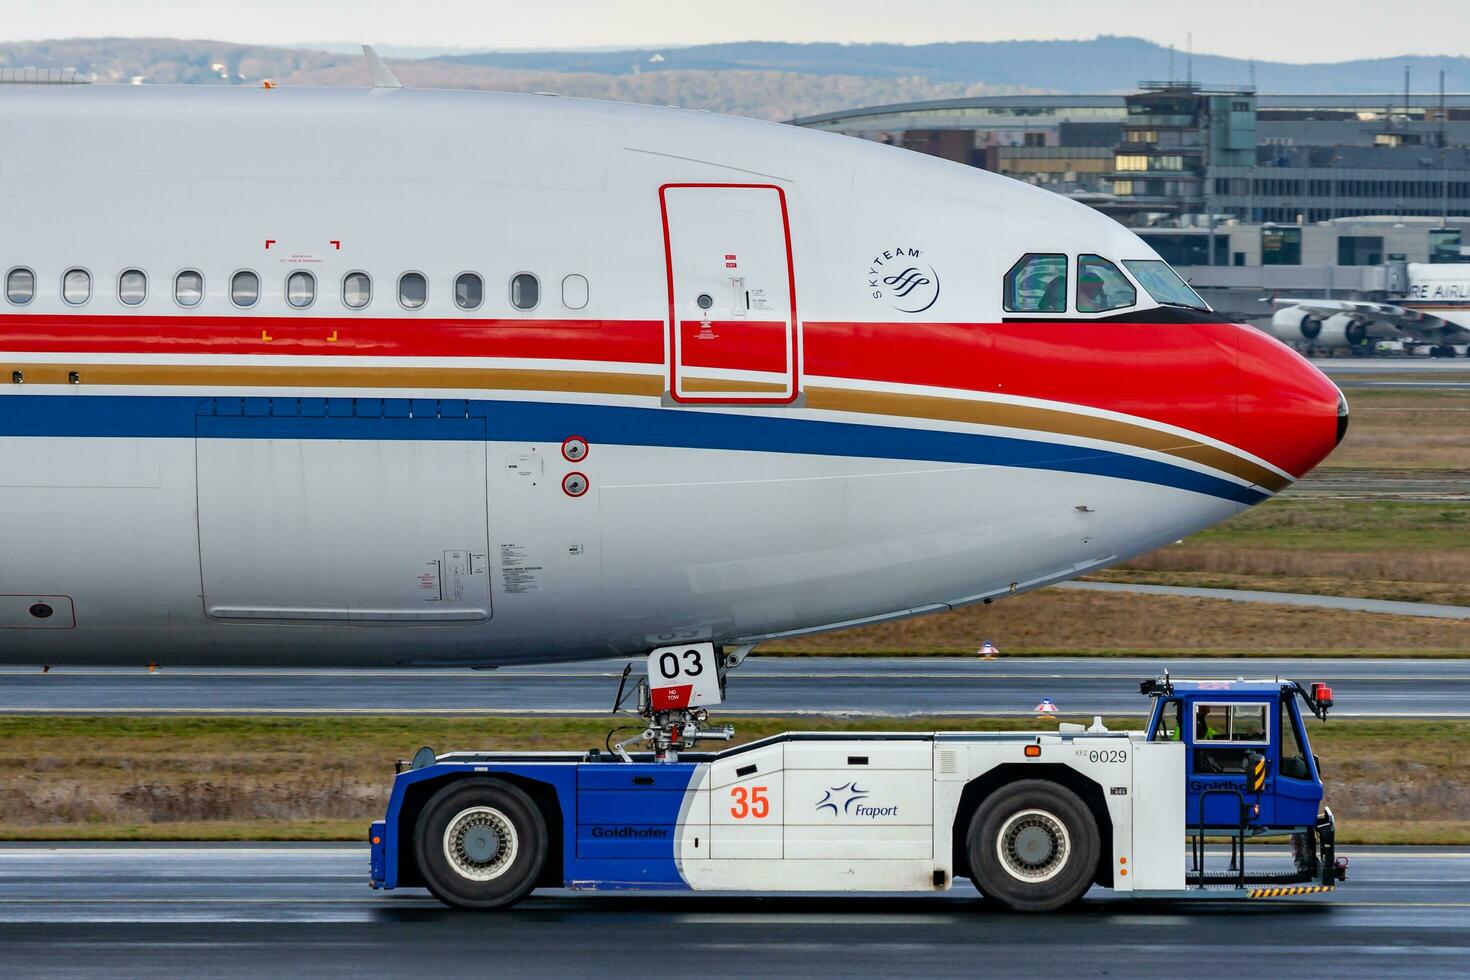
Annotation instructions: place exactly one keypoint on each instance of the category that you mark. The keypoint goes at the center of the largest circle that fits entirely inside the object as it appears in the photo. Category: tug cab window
(1169, 728)
(1101, 287)
(1293, 759)
(1164, 284)
(1221, 732)
(1037, 284)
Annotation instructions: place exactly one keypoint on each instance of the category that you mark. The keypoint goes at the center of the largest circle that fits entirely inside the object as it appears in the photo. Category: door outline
(793, 333)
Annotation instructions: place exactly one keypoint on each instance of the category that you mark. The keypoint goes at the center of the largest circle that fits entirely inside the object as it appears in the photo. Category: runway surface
(306, 910)
(1344, 603)
(763, 685)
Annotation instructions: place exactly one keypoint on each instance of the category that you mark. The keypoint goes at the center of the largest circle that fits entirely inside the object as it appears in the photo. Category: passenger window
(188, 288)
(357, 290)
(20, 286)
(244, 289)
(469, 291)
(1101, 287)
(413, 290)
(525, 291)
(1037, 284)
(300, 289)
(574, 292)
(132, 287)
(76, 286)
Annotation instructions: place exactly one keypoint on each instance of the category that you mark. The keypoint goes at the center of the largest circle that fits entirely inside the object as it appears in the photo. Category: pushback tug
(1033, 819)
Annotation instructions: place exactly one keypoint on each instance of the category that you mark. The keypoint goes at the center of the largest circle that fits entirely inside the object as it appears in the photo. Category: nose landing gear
(674, 697)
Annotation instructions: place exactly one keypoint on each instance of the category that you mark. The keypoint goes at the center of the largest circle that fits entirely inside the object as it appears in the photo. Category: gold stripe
(608, 383)
(1042, 420)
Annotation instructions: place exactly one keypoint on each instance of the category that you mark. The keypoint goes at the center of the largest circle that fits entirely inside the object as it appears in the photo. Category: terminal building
(1244, 192)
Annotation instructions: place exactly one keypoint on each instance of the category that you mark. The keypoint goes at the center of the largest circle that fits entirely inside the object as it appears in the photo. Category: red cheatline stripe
(627, 341)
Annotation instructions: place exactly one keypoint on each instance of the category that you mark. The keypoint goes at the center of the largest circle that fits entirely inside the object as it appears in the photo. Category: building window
(189, 287)
(1281, 246)
(1101, 287)
(244, 289)
(1130, 161)
(132, 287)
(574, 292)
(469, 291)
(300, 290)
(413, 290)
(1444, 245)
(1359, 249)
(525, 291)
(1037, 284)
(357, 290)
(76, 286)
(20, 285)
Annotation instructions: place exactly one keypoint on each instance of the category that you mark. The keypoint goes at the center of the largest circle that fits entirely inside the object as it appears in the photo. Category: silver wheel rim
(1033, 846)
(480, 843)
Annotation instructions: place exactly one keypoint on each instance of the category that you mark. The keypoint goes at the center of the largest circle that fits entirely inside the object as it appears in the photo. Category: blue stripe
(185, 417)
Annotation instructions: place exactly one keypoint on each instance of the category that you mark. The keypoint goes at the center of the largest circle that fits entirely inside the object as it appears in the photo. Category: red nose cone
(1288, 412)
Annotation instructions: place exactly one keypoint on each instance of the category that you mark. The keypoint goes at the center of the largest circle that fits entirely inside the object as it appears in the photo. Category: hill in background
(763, 79)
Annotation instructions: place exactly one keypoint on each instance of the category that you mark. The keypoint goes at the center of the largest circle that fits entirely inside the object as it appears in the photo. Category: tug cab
(1249, 768)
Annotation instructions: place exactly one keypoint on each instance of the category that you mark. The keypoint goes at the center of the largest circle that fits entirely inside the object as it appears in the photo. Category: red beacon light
(1322, 694)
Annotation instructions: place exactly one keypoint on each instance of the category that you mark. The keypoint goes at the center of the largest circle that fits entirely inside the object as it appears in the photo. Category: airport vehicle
(389, 376)
(1034, 819)
(1433, 314)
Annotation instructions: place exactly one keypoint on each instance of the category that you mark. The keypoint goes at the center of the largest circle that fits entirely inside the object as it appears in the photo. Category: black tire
(499, 844)
(1052, 841)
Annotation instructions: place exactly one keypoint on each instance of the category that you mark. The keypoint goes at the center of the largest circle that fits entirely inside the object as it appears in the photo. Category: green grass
(1345, 525)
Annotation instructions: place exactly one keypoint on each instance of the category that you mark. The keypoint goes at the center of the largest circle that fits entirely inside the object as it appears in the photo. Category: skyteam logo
(902, 277)
(851, 800)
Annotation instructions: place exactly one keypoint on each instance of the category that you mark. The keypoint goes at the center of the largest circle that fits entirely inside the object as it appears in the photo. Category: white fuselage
(317, 482)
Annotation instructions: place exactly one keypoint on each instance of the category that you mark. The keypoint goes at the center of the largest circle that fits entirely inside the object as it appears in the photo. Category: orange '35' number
(750, 801)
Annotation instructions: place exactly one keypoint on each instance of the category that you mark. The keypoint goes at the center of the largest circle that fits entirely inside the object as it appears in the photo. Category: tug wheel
(1033, 846)
(481, 843)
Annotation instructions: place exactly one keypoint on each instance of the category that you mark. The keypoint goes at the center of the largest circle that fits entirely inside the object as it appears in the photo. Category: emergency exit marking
(269, 242)
(336, 243)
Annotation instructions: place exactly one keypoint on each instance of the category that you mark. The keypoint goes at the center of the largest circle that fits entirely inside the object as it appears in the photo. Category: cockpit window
(1164, 284)
(1037, 284)
(1101, 287)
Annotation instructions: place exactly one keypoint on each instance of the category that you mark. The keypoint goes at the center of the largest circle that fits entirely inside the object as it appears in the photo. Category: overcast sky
(1277, 30)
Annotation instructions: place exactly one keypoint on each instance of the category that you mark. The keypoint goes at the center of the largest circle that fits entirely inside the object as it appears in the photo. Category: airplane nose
(1288, 412)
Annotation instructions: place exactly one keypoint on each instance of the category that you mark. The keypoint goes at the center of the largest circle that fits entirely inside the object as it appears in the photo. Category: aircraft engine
(1296, 324)
(1342, 330)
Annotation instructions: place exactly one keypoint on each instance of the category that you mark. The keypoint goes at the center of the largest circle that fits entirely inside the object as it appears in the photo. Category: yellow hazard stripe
(1286, 890)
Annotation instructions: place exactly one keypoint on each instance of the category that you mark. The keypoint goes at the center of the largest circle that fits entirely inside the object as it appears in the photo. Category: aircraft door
(732, 333)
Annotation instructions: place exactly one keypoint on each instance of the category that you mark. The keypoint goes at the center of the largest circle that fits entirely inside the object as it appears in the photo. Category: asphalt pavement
(762, 685)
(254, 911)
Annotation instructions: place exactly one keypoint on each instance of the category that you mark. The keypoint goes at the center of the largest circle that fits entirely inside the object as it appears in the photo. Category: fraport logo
(901, 276)
(630, 832)
(851, 800)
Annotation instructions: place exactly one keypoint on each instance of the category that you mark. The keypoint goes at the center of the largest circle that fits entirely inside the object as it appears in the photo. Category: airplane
(362, 377)
(1435, 312)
